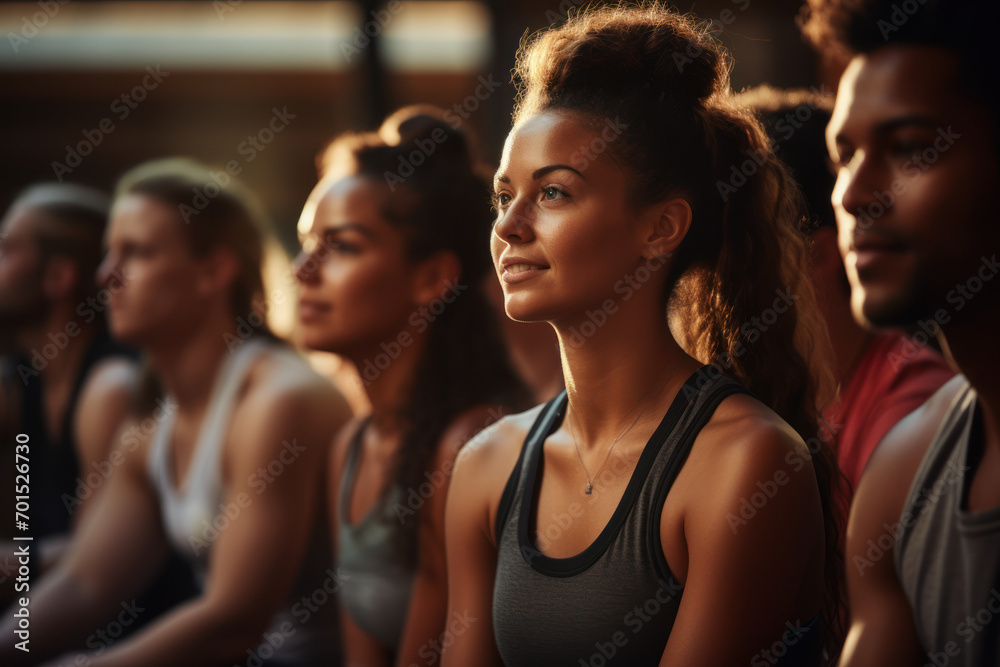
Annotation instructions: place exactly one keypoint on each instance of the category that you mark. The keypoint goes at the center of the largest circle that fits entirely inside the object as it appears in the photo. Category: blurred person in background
(883, 375)
(611, 228)
(914, 137)
(63, 363)
(220, 457)
(65, 384)
(390, 276)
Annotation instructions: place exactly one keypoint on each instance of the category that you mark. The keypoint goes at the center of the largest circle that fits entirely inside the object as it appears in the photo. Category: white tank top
(189, 510)
(195, 513)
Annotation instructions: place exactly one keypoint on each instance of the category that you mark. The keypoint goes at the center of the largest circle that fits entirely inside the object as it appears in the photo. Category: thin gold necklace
(646, 403)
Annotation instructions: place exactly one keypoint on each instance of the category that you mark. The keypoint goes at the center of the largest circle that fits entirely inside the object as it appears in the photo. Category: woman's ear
(670, 222)
(437, 276)
(218, 270)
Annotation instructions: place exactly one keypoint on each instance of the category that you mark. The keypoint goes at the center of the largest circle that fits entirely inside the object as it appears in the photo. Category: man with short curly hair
(914, 138)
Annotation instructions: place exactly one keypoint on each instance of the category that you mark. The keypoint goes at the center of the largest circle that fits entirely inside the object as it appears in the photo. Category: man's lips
(871, 254)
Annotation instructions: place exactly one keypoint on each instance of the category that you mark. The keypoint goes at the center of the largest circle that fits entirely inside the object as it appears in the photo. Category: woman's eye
(551, 192)
(907, 149)
(332, 243)
(132, 250)
(842, 158)
(501, 200)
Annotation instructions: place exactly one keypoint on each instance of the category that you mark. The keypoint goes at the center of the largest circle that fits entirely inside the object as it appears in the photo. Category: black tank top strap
(549, 417)
(723, 388)
(684, 417)
(612, 586)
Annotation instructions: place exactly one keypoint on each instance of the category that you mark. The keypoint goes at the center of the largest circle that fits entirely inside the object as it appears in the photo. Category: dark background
(51, 91)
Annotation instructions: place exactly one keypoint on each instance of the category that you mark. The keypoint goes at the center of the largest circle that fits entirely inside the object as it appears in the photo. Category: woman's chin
(521, 309)
(124, 333)
(318, 340)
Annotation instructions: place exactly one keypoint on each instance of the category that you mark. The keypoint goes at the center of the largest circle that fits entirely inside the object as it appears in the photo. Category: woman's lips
(312, 310)
(518, 273)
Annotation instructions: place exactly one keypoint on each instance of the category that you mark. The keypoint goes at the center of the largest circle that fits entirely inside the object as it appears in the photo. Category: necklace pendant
(590, 488)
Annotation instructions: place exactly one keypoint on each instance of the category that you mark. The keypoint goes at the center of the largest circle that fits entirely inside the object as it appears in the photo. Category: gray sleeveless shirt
(377, 579)
(615, 602)
(947, 558)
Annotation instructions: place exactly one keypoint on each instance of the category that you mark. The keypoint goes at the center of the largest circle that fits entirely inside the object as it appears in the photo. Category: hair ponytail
(739, 294)
(761, 324)
(441, 204)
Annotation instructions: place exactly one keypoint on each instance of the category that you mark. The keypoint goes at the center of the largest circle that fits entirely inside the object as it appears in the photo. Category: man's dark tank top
(54, 463)
(948, 558)
(56, 476)
(615, 602)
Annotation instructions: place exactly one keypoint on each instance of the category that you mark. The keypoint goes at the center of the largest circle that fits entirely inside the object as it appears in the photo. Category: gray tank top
(195, 514)
(947, 558)
(615, 602)
(377, 581)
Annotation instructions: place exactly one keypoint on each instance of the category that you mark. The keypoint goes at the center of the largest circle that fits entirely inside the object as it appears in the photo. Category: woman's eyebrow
(364, 230)
(541, 171)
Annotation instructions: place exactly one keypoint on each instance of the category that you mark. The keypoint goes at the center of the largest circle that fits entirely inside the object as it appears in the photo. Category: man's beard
(17, 318)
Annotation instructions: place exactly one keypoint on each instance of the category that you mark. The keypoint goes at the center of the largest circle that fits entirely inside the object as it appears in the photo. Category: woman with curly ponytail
(394, 259)
(673, 505)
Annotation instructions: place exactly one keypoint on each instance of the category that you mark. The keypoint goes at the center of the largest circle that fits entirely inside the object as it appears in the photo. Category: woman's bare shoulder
(496, 447)
(282, 381)
(745, 448)
(486, 462)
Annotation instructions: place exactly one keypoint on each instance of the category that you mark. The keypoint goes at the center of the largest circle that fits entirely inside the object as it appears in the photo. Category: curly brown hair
(663, 77)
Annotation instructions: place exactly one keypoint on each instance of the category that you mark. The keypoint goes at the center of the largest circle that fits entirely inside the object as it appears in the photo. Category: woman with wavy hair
(391, 275)
(672, 506)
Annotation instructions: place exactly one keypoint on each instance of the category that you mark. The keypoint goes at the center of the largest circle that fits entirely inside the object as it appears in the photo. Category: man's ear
(670, 221)
(60, 277)
(218, 271)
(436, 276)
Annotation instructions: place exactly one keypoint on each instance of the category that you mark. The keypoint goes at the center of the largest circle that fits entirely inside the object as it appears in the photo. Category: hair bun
(626, 57)
(689, 70)
(425, 128)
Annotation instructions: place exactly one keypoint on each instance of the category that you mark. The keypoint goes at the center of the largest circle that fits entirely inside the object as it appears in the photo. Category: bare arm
(756, 578)
(427, 618)
(360, 648)
(481, 470)
(256, 558)
(101, 410)
(118, 547)
(882, 630)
